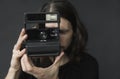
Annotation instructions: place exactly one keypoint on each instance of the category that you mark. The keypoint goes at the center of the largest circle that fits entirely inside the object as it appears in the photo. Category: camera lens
(54, 32)
(43, 35)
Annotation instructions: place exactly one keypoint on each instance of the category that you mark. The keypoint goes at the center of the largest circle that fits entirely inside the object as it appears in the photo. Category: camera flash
(51, 17)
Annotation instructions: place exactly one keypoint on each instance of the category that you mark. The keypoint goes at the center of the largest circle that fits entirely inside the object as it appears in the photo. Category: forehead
(64, 24)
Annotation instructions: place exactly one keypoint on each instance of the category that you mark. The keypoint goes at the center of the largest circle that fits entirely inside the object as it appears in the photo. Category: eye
(63, 31)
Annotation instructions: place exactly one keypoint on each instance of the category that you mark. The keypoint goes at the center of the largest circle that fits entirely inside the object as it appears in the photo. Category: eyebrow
(64, 30)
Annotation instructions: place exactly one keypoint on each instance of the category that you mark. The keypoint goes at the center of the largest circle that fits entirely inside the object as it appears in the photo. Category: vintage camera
(43, 34)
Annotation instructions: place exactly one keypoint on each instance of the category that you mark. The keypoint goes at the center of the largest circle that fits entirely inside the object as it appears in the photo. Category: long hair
(80, 36)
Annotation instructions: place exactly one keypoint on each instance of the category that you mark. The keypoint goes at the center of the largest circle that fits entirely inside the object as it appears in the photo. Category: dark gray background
(101, 17)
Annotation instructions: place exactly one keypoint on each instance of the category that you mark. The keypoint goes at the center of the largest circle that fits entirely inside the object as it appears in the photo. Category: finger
(19, 42)
(22, 63)
(26, 64)
(30, 60)
(22, 33)
(17, 53)
(22, 52)
(58, 58)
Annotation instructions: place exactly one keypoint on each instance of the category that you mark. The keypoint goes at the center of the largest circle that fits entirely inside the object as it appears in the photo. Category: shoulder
(87, 59)
(86, 68)
(89, 66)
(88, 63)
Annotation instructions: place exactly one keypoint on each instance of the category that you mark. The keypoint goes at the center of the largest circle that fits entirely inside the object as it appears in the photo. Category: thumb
(58, 58)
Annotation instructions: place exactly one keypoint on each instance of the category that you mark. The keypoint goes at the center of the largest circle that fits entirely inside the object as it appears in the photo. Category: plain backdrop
(101, 17)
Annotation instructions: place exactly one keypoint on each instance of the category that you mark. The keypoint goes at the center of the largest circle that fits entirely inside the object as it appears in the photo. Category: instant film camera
(43, 34)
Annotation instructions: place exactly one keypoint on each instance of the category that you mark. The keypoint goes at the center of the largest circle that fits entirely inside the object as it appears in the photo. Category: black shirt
(87, 68)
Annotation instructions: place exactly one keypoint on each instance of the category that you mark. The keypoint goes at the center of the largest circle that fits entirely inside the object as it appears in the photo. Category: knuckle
(14, 46)
(14, 51)
(27, 70)
(23, 38)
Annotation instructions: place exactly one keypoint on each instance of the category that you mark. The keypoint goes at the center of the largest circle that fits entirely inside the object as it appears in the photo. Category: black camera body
(43, 34)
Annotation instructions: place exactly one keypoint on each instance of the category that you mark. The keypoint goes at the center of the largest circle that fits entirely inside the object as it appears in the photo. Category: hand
(17, 53)
(50, 72)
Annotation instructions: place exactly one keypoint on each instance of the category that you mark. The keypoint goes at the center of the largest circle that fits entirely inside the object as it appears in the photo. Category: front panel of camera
(43, 34)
